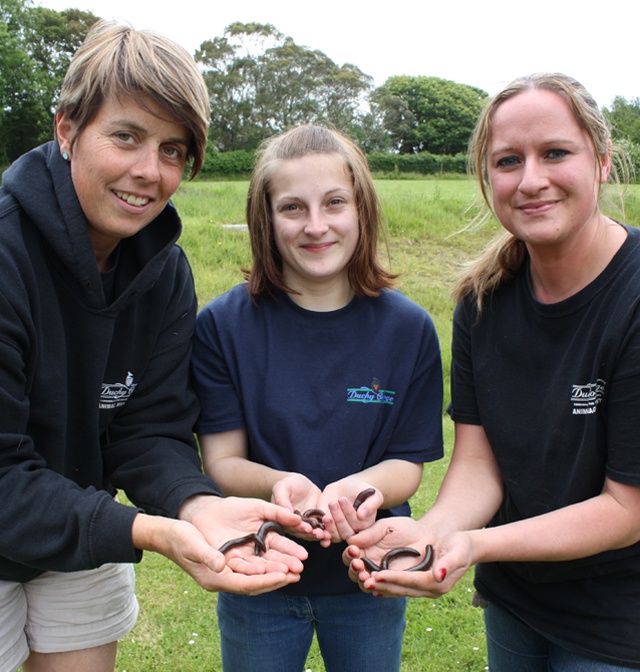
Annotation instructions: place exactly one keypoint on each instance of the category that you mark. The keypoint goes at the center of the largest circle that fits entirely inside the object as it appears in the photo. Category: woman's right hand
(298, 493)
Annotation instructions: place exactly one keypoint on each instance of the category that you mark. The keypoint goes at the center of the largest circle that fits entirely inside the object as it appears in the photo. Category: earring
(65, 156)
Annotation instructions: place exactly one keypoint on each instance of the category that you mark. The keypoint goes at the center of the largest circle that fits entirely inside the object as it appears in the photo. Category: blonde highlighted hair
(504, 257)
(366, 276)
(117, 60)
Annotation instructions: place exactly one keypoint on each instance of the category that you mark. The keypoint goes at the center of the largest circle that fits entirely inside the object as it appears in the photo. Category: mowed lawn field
(429, 240)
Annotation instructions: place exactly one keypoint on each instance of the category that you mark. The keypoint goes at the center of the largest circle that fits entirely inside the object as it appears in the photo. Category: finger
(277, 561)
(339, 522)
(391, 583)
(371, 535)
(197, 552)
(369, 506)
(351, 554)
(252, 565)
(285, 516)
(286, 546)
(255, 585)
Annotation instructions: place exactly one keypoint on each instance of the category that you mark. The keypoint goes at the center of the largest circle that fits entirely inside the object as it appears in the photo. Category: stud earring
(65, 156)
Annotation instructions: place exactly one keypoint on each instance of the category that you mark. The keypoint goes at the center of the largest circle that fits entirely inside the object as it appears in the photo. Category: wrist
(192, 506)
(146, 531)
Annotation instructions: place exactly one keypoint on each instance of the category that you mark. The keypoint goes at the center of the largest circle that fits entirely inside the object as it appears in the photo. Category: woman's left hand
(452, 557)
(348, 511)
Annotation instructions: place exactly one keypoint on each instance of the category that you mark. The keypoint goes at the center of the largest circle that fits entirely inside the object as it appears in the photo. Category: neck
(557, 274)
(324, 298)
(105, 259)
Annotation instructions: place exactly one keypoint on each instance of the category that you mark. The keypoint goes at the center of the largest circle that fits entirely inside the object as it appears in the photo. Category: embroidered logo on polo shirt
(114, 395)
(371, 395)
(586, 398)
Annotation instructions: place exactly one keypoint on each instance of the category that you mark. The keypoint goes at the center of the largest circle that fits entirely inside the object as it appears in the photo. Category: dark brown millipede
(257, 538)
(422, 566)
(365, 494)
(311, 516)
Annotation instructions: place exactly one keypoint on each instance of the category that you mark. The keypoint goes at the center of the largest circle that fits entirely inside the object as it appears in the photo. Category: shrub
(227, 164)
(421, 163)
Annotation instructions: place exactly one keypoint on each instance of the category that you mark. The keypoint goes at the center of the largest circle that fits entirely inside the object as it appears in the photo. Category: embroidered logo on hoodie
(114, 395)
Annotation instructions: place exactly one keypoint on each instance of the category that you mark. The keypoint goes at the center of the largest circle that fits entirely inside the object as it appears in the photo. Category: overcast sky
(484, 43)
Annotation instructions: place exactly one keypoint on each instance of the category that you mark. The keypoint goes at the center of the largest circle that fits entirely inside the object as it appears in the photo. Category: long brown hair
(366, 276)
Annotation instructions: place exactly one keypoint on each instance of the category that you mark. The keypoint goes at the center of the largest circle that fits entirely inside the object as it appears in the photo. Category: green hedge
(227, 164)
(240, 163)
(421, 163)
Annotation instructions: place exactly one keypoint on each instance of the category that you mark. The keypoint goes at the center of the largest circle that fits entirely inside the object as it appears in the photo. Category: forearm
(598, 524)
(472, 489)
(240, 477)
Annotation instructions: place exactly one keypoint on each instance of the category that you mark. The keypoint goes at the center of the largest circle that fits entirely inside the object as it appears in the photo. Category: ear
(605, 164)
(65, 132)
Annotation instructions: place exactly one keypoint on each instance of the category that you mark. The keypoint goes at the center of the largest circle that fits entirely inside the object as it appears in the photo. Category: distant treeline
(240, 163)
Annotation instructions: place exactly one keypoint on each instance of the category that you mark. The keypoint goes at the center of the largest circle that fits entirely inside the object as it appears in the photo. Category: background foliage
(36, 45)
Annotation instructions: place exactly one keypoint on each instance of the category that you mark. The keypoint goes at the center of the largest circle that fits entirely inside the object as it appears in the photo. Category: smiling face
(125, 166)
(543, 170)
(315, 220)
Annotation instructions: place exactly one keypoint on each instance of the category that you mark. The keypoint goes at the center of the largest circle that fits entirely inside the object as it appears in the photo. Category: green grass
(177, 629)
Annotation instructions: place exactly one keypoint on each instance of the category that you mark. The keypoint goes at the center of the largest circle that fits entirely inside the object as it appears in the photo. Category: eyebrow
(547, 144)
(131, 125)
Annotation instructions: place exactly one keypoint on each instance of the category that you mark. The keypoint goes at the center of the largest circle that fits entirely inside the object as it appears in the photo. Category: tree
(624, 117)
(428, 114)
(261, 82)
(36, 45)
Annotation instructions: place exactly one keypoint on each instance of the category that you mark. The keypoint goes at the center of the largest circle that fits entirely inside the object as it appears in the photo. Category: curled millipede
(423, 566)
(426, 562)
(397, 553)
(258, 538)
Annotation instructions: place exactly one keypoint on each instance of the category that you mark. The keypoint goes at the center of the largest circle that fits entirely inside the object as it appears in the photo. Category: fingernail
(352, 552)
(443, 574)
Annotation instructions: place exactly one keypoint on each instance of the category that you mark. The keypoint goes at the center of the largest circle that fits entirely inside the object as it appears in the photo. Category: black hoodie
(94, 394)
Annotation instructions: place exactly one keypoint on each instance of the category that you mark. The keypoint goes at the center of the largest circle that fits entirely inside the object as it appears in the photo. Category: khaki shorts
(65, 612)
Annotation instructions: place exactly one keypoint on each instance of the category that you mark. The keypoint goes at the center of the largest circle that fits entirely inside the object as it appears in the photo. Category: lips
(537, 208)
(317, 247)
(132, 199)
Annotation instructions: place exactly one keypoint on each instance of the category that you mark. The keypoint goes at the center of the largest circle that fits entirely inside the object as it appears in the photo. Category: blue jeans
(512, 646)
(273, 632)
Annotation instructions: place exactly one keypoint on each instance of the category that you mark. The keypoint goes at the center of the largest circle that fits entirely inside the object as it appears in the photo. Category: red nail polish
(353, 553)
(443, 574)
(379, 580)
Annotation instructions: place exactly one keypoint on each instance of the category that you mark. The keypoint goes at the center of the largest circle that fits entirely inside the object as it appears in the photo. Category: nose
(533, 177)
(315, 225)
(147, 164)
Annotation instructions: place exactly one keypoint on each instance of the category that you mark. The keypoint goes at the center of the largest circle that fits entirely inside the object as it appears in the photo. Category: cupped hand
(220, 520)
(296, 492)
(346, 516)
(452, 558)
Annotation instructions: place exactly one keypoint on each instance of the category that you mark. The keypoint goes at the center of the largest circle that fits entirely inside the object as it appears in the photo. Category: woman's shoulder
(399, 304)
